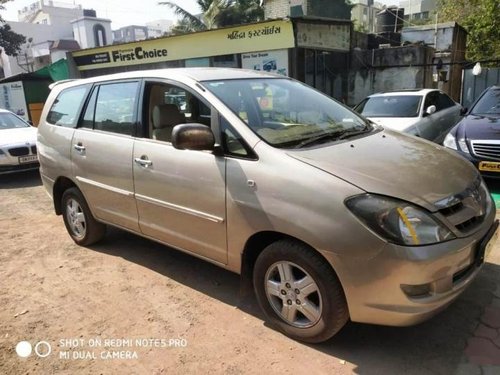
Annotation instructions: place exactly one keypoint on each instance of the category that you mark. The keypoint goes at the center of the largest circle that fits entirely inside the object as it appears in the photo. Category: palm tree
(241, 12)
(216, 13)
(190, 22)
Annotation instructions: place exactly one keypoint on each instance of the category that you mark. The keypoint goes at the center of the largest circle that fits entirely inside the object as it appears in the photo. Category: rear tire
(79, 222)
(299, 292)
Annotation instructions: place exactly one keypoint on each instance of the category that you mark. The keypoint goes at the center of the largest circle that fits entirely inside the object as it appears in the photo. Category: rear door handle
(79, 147)
(143, 161)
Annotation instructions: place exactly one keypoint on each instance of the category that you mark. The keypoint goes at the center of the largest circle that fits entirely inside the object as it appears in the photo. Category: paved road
(464, 339)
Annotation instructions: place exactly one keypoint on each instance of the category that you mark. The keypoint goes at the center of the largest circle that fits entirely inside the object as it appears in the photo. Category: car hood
(481, 127)
(395, 123)
(396, 165)
(19, 135)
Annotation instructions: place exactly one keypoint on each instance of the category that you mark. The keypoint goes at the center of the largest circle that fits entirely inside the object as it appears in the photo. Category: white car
(17, 144)
(426, 113)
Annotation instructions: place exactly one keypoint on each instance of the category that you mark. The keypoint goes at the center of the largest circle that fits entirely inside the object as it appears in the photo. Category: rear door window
(112, 108)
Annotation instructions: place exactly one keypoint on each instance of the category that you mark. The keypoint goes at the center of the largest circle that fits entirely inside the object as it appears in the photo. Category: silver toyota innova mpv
(330, 216)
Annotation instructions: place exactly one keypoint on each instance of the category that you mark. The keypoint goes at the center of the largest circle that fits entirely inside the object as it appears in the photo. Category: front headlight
(451, 142)
(397, 221)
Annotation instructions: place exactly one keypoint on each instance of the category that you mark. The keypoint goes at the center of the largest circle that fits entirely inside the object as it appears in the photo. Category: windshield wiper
(320, 138)
(336, 135)
(354, 132)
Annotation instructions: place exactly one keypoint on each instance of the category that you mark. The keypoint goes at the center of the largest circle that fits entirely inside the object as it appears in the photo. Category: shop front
(314, 51)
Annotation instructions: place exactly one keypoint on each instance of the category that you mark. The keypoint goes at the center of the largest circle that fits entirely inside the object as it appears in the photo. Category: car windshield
(489, 104)
(11, 121)
(286, 113)
(390, 106)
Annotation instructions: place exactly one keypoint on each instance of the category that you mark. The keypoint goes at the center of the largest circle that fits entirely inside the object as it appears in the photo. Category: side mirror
(430, 110)
(463, 111)
(193, 137)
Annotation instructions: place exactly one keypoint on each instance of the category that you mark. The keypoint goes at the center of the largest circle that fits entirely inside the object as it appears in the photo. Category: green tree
(216, 13)
(481, 19)
(240, 12)
(9, 40)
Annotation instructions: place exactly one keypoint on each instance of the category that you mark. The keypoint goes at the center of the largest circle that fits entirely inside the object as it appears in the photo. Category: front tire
(79, 222)
(299, 292)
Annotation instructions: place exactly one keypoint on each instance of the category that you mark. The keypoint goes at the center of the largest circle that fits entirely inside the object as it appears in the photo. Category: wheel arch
(254, 247)
(60, 186)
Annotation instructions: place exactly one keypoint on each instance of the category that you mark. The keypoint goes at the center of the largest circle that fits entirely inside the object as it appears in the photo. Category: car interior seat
(165, 117)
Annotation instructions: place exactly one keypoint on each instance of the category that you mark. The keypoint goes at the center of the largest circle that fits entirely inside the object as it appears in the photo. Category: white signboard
(12, 98)
(269, 61)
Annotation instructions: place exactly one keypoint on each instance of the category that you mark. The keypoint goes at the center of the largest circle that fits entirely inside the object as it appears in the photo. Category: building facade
(159, 28)
(336, 9)
(364, 15)
(418, 9)
(36, 51)
(48, 12)
(132, 33)
(51, 30)
(449, 43)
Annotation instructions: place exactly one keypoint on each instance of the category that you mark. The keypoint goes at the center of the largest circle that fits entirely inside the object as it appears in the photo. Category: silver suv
(330, 217)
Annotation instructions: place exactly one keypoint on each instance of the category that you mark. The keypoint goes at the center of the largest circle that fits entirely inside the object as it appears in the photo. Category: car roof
(409, 92)
(180, 74)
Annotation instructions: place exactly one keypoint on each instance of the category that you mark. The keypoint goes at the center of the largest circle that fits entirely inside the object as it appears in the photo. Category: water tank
(390, 20)
(89, 13)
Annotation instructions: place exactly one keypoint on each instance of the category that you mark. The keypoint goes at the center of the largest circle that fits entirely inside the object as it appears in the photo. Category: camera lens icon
(24, 349)
(42, 349)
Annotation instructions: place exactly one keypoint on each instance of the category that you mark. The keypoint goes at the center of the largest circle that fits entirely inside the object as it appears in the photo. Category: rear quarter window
(66, 108)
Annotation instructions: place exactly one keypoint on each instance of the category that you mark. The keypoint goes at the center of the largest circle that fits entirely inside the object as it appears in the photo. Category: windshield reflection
(286, 113)
(11, 121)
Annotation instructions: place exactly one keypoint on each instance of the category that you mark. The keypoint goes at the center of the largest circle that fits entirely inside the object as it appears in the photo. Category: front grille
(33, 150)
(448, 211)
(467, 225)
(485, 149)
(466, 210)
(19, 151)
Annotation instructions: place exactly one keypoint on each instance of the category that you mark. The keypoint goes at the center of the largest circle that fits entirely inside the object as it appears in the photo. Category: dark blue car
(477, 135)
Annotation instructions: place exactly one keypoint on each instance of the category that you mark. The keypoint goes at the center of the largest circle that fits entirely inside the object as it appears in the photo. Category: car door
(181, 194)
(102, 152)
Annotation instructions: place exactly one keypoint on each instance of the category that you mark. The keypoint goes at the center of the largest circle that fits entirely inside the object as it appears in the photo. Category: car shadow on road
(20, 180)
(435, 346)
(176, 265)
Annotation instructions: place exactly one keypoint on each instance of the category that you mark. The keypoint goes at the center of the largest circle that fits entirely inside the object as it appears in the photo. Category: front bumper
(6, 169)
(403, 286)
(25, 161)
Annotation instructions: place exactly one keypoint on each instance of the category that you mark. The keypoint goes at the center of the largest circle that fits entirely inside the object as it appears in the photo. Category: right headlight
(450, 141)
(398, 221)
